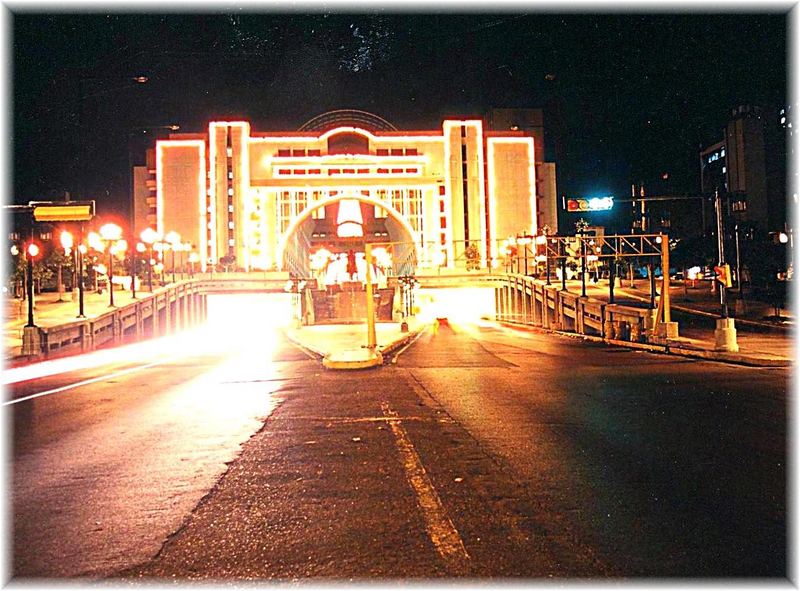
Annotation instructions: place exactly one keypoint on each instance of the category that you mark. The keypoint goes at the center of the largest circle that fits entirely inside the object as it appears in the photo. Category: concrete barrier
(525, 300)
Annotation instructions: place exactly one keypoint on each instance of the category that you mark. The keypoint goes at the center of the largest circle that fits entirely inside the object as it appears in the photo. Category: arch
(347, 118)
(306, 213)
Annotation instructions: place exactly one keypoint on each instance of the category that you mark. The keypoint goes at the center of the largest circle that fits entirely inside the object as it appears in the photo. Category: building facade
(748, 166)
(269, 199)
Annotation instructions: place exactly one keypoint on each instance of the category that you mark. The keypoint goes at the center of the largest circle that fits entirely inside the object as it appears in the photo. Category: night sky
(629, 96)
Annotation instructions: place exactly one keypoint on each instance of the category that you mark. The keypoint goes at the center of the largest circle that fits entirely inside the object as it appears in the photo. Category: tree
(473, 258)
(227, 262)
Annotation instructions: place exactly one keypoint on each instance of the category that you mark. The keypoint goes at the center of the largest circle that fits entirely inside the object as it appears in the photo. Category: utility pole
(725, 332)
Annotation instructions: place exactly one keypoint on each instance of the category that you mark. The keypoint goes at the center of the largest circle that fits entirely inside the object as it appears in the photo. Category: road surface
(482, 452)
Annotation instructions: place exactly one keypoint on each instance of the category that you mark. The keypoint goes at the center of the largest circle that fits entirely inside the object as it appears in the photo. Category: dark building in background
(748, 167)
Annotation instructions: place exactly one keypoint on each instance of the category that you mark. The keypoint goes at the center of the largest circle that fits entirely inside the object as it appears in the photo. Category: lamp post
(31, 252)
(149, 237)
(134, 250)
(173, 239)
(66, 244)
(185, 248)
(193, 258)
(525, 240)
(17, 287)
(581, 226)
(111, 233)
(81, 251)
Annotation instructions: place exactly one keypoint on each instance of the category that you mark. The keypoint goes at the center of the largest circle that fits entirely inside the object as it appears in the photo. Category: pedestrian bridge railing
(168, 309)
(521, 299)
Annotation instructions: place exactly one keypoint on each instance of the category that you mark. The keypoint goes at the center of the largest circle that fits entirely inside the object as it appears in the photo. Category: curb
(383, 353)
(669, 349)
(755, 324)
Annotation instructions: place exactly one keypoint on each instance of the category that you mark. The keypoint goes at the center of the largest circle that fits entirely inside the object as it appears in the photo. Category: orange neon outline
(212, 194)
(491, 142)
(448, 190)
(161, 146)
(303, 215)
(347, 129)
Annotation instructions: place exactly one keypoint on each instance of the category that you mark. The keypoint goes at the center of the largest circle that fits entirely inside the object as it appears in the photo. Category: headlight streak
(244, 329)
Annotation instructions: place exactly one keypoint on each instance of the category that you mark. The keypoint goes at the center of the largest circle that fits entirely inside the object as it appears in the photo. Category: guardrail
(524, 300)
(167, 309)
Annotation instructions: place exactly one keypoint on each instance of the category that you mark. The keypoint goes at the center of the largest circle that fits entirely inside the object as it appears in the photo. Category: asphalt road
(482, 452)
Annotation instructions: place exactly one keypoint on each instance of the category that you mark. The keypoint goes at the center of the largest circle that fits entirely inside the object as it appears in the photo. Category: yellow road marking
(440, 528)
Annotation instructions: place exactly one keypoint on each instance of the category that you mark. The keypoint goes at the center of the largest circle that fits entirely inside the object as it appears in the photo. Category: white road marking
(440, 528)
(86, 382)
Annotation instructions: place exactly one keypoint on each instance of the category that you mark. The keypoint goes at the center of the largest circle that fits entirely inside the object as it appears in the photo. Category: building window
(284, 153)
(382, 152)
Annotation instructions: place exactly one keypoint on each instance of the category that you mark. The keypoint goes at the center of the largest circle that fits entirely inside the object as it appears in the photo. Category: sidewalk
(48, 311)
(761, 342)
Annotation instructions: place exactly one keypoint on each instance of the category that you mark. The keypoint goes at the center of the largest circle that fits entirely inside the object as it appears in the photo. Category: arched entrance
(327, 238)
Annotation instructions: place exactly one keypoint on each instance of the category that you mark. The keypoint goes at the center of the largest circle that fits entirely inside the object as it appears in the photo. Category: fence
(524, 300)
(166, 310)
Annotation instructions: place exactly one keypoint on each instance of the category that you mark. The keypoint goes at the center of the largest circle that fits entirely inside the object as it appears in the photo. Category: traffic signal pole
(721, 253)
(725, 332)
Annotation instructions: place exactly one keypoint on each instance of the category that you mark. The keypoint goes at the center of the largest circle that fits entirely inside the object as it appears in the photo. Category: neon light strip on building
(161, 146)
(348, 129)
(491, 143)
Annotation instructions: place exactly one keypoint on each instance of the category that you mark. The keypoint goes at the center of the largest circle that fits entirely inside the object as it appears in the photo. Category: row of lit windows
(716, 156)
(343, 171)
(302, 153)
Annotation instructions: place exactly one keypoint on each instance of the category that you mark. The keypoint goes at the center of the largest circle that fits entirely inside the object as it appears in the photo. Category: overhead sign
(593, 204)
(62, 211)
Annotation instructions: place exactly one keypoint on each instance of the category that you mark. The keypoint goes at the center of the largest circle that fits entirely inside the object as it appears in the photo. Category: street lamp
(111, 233)
(81, 251)
(193, 258)
(582, 225)
(525, 240)
(185, 247)
(30, 254)
(173, 239)
(66, 244)
(149, 236)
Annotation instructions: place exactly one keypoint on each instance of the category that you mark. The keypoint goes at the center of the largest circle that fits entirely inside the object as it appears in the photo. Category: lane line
(440, 528)
(86, 382)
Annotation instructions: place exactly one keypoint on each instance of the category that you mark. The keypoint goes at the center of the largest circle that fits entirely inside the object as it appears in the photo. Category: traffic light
(723, 274)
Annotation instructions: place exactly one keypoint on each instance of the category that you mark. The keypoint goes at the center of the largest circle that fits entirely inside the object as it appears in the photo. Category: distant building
(531, 121)
(270, 199)
(748, 166)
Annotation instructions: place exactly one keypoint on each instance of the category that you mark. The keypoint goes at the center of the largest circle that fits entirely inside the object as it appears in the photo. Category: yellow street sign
(76, 211)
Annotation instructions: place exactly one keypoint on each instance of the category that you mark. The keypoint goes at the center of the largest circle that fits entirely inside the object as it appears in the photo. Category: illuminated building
(273, 199)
